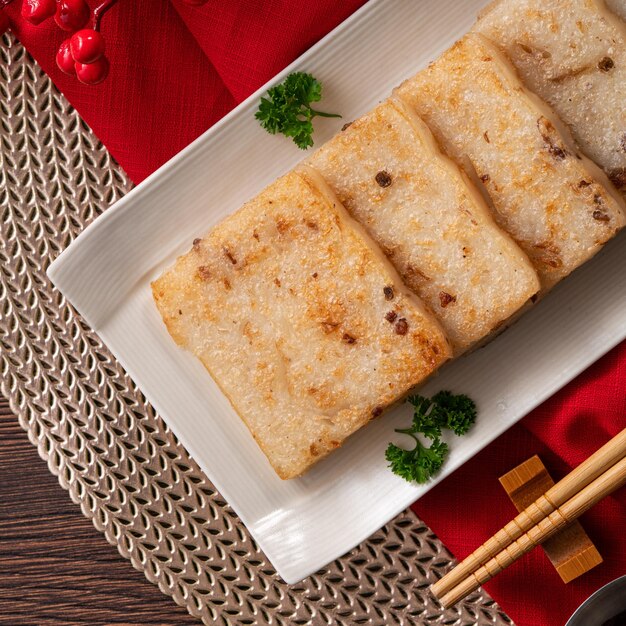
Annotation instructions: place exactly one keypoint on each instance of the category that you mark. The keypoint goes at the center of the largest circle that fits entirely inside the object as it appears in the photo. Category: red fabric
(175, 70)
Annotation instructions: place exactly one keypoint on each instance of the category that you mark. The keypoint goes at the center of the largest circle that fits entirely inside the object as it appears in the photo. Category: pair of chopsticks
(601, 474)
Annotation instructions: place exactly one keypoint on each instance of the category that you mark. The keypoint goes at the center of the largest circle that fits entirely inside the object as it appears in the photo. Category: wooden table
(55, 567)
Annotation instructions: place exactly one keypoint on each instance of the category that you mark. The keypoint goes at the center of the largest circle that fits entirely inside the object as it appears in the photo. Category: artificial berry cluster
(82, 54)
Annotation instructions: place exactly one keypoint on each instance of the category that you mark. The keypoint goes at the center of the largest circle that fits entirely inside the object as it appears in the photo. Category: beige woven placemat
(110, 450)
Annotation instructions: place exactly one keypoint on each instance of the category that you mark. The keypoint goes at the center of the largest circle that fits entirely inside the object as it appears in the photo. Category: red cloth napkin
(175, 70)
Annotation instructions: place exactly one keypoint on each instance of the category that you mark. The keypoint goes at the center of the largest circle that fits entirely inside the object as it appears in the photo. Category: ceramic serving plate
(305, 523)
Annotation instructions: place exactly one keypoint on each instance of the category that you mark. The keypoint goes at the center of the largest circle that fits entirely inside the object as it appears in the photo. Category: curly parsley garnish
(287, 108)
(430, 416)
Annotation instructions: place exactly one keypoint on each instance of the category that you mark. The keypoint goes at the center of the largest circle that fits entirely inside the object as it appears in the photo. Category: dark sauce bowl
(606, 607)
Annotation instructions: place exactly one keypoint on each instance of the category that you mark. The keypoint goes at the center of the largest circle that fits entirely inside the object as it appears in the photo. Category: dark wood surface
(55, 567)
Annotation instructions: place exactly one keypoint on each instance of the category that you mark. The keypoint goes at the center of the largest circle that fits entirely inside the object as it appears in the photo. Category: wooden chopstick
(602, 486)
(600, 461)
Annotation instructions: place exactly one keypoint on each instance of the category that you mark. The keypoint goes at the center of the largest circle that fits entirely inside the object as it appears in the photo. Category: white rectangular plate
(303, 524)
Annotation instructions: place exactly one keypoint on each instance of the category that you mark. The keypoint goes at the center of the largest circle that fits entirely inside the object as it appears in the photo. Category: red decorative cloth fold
(176, 70)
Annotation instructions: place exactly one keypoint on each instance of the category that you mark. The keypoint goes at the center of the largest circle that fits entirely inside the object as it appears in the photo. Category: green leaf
(286, 109)
(430, 416)
(456, 412)
(418, 464)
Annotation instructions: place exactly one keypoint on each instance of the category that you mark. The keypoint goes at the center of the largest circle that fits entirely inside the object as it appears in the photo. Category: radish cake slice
(432, 223)
(557, 204)
(300, 319)
(572, 53)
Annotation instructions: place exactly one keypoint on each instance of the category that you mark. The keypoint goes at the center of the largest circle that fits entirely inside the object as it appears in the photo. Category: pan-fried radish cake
(572, 53)
(300, 319)
(556, 203)
(432, 223)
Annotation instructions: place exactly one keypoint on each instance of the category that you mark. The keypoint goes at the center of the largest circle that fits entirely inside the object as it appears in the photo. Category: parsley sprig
(287, 108)
(430, 417)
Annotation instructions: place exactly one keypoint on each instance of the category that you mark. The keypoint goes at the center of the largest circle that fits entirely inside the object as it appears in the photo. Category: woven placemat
(110, 450)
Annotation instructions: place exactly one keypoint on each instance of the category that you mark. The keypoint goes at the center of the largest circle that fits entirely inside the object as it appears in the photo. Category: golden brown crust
(284, 303)
(432, 223)
(544, 192)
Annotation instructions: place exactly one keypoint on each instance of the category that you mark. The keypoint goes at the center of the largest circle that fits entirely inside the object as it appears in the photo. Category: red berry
(92, 73)
(4, 23)
(71, 14)
(195, 3)
(36, 11)
(65, 60)
(87, 45)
